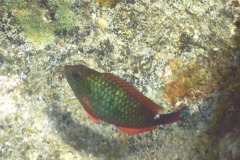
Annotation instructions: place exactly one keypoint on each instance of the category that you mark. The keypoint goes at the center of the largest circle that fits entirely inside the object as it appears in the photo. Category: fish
(106, 97)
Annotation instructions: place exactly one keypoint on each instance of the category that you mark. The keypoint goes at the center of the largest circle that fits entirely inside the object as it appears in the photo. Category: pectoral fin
(85, 102)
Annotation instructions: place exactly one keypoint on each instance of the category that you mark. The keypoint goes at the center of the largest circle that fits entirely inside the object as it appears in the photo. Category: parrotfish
(109, 98)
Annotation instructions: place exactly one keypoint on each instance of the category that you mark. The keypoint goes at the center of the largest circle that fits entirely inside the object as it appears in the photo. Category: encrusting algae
(189, 81)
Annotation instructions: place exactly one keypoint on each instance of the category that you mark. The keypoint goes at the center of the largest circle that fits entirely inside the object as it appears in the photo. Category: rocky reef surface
(176, 52)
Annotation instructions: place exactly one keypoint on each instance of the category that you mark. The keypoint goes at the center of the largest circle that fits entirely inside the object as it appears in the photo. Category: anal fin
(91, 116)
(135, 130)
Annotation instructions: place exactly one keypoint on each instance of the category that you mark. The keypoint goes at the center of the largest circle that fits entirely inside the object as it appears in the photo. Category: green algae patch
(37, 30)
(40, 21)
(65, 18)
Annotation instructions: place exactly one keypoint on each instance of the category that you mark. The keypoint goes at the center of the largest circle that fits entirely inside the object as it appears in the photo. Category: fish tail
(171, 117)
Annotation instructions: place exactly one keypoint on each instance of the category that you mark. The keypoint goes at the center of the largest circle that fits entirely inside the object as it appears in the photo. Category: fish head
(77, 78)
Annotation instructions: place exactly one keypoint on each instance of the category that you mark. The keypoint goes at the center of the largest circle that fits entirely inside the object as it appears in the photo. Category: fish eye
(76, 76)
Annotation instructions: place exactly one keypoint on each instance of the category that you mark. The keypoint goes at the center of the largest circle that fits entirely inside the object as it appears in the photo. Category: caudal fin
(171, 117)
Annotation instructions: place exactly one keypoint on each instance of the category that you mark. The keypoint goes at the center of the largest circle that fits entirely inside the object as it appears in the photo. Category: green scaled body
(111, 99)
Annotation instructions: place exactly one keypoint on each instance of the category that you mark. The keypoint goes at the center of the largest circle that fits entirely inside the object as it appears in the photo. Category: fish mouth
(73, 67)
(67, 68)
(70, 69)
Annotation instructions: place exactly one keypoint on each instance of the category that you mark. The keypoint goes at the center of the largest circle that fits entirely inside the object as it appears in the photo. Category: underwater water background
(176, 52)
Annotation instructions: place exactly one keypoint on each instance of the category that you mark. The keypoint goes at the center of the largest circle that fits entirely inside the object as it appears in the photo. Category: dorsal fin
(146, 102)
